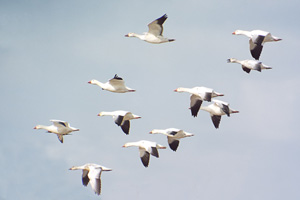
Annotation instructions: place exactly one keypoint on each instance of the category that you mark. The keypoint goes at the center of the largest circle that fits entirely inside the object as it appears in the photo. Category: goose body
(121, 118)
(248, 65)
(145, 149)
(198, 95)
(91, 173)
(173, 135)
(256, 40)
(116, 84)
(217, 109)
(154, 34)
(60, 128)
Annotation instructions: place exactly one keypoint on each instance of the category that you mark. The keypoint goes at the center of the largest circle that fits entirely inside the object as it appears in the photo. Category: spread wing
(145, 156)
(85, 178)
(117, 82)
(118, 119)
(60, 123)
(95, 182)
(156, 27)
(173, 143)
(195, 104)
(125, 127)
(246, 69)
(60, 138)
(216, 120)
(256, 46)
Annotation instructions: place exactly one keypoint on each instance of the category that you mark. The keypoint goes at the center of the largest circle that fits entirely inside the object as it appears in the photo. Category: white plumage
(91, 173)
(154, 34)
(173, 135)
(121, 118)
(116, 84)
(256, 40)
(198, 95)
(146, 148)
(59, 127)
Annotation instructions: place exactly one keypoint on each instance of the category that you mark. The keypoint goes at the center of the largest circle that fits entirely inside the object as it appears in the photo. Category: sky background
(49, 50)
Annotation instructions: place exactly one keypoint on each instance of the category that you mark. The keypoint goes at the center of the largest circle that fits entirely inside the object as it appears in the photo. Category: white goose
(154, 34)
(121, 118)
(116, 84)
(146, 148)
(198, 95)
(257, 39)
(173, 135)
(248, 65)
(217, 109)
(91, 173)
(60, 128)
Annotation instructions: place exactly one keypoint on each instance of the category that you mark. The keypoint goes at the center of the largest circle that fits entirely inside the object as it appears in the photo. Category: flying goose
(146, 148)
(198, 95)
(173, 135)
(217, 109)
(60, 128)
(257, 39)
(91, 173)
(154, 34)
(248, 65)
(121, 118)
(116, 84)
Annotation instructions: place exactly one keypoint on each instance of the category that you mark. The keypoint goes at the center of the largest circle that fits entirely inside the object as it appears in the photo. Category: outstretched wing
(156, 27)
(117, 82)
(195, 104)
(60, 123)
(60, 138)
(256, 46)
(95, 181)
(173, 143)
(125, 127)
(145, 156)
(216, 120)
(85, 178)
(246, 69)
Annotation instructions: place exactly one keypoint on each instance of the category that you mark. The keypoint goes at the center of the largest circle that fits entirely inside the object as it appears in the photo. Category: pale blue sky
(49, 50)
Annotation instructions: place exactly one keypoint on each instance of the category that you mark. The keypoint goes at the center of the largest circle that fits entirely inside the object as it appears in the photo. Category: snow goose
(198, 95)
(257, 39)
(146, 148)
(154, 34)
(116, 84)
(217, 109)
(121, 118)
(60, 128)
(248, 65)
(91, 173)
(173, 135)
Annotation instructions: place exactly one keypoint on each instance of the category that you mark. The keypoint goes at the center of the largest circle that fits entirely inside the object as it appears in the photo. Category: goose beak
(233, 33)
(90, 82)
(127, 35)
(235, 111)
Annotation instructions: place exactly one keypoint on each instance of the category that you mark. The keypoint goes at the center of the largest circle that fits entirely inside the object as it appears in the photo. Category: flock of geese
(91, 173)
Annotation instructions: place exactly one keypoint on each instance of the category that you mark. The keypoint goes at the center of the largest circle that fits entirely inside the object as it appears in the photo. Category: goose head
(93, 81)
(130, 35)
